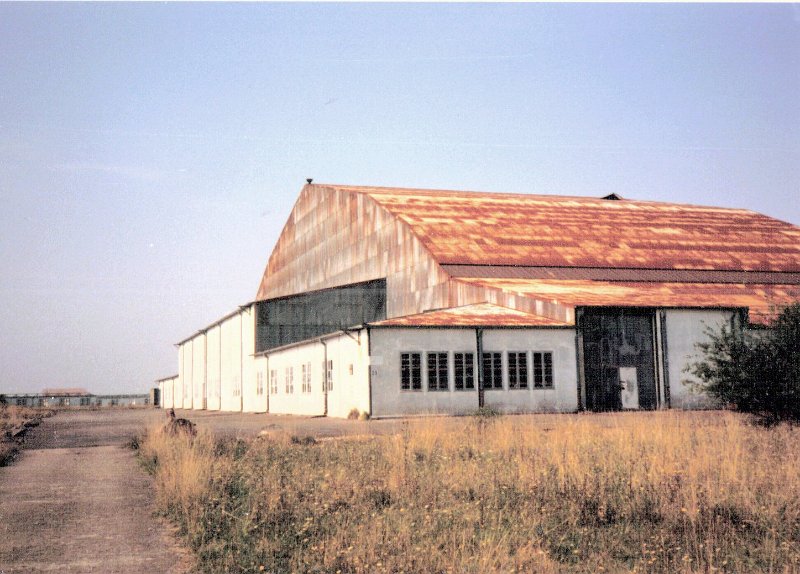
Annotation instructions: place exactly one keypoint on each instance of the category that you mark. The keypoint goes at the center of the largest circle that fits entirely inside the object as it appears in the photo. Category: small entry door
(619, 359)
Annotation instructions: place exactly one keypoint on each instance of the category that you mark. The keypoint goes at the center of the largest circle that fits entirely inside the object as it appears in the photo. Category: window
(307, 378)
(543, 370)
(437, 372)
(410, 372)
(273, 382)
(517, 370)
(492, 371)
(259, 383)
(289, 381)
(329, 375)
(20, 402)
(464, 371)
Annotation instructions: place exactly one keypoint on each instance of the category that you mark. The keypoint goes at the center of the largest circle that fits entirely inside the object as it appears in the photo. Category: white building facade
(396, 302)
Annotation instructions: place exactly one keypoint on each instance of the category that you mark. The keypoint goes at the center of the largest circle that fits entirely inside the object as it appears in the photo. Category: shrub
(755, 372)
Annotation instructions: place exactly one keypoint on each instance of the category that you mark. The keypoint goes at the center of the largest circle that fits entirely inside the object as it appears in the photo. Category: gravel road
(76, 501)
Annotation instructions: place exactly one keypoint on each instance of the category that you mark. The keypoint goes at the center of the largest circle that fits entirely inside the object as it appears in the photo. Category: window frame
(329, 376)
(273, 381)
(495, 370)
(289, 380)
(441, 373)
(414, 386)
(547, 370)
(306, 385)
(517, 371)
(471, 371)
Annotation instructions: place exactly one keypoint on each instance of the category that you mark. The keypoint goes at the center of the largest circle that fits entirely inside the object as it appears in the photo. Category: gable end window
(492, 371)
(437, 372)
(517, 370)
(542, 370)
(410, 371)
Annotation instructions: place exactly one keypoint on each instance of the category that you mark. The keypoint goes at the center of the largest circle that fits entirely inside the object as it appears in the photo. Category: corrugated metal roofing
(760, 299)
(542, 230)
(477, 315)
(621, 274)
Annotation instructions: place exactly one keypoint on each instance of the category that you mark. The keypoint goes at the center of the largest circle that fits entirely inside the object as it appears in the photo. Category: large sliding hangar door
(619, 359)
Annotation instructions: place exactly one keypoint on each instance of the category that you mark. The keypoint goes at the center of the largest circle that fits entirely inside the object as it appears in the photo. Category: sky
(151, 153)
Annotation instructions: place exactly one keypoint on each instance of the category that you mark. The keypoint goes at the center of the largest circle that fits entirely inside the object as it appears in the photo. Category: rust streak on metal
(477, 315)
(762, 300)
(508, 229)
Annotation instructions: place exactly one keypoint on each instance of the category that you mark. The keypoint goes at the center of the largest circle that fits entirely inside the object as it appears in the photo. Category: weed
(651, 492)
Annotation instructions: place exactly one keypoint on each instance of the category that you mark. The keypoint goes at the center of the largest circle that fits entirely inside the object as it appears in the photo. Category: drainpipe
(479, 351)
(325, 377)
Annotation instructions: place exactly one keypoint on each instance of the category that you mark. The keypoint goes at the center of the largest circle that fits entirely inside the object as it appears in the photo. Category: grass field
(629, 492)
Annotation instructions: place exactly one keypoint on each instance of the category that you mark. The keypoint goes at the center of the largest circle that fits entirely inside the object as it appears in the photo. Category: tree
(756, 372)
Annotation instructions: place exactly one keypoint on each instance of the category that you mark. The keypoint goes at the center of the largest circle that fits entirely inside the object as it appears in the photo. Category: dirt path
(76, 501)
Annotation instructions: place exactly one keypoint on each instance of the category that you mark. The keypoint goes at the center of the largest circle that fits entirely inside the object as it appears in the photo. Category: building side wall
(389, 400)
(335, 238)
(213, 375)
(350, 386)
(563, 397)
(231, 358)
(184, 375)
(252, 402)
(199, 372)
(387, 397)
(686, 328)
(290, 399)
(167, 393)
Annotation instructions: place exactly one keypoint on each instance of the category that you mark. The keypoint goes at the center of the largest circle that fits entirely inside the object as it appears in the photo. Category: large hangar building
(406, 301)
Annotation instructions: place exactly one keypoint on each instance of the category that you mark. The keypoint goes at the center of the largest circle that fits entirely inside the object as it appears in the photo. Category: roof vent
(613, 196)
(309, 180)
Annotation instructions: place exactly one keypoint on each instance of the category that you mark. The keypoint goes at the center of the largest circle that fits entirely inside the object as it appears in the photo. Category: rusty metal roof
(470, 228)
(477, 315)
(762, 300)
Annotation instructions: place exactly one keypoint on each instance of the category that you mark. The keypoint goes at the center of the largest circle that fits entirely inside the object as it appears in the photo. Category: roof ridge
(602, 200)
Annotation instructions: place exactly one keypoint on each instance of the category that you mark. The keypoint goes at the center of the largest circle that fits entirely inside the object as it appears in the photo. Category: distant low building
(75, 398)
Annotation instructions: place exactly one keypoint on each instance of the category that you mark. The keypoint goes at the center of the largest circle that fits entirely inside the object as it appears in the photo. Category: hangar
(393, 302)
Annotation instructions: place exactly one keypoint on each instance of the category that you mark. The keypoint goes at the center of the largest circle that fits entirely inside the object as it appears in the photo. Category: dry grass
(649, 492)
(13, 419)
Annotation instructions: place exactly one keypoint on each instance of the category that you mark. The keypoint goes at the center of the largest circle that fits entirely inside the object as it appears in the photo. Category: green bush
(756, 372)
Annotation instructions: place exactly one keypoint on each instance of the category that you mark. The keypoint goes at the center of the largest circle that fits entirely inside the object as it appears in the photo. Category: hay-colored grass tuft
(645, 492)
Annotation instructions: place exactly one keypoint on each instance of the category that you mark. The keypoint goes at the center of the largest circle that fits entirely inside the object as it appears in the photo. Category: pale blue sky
(150, 153)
